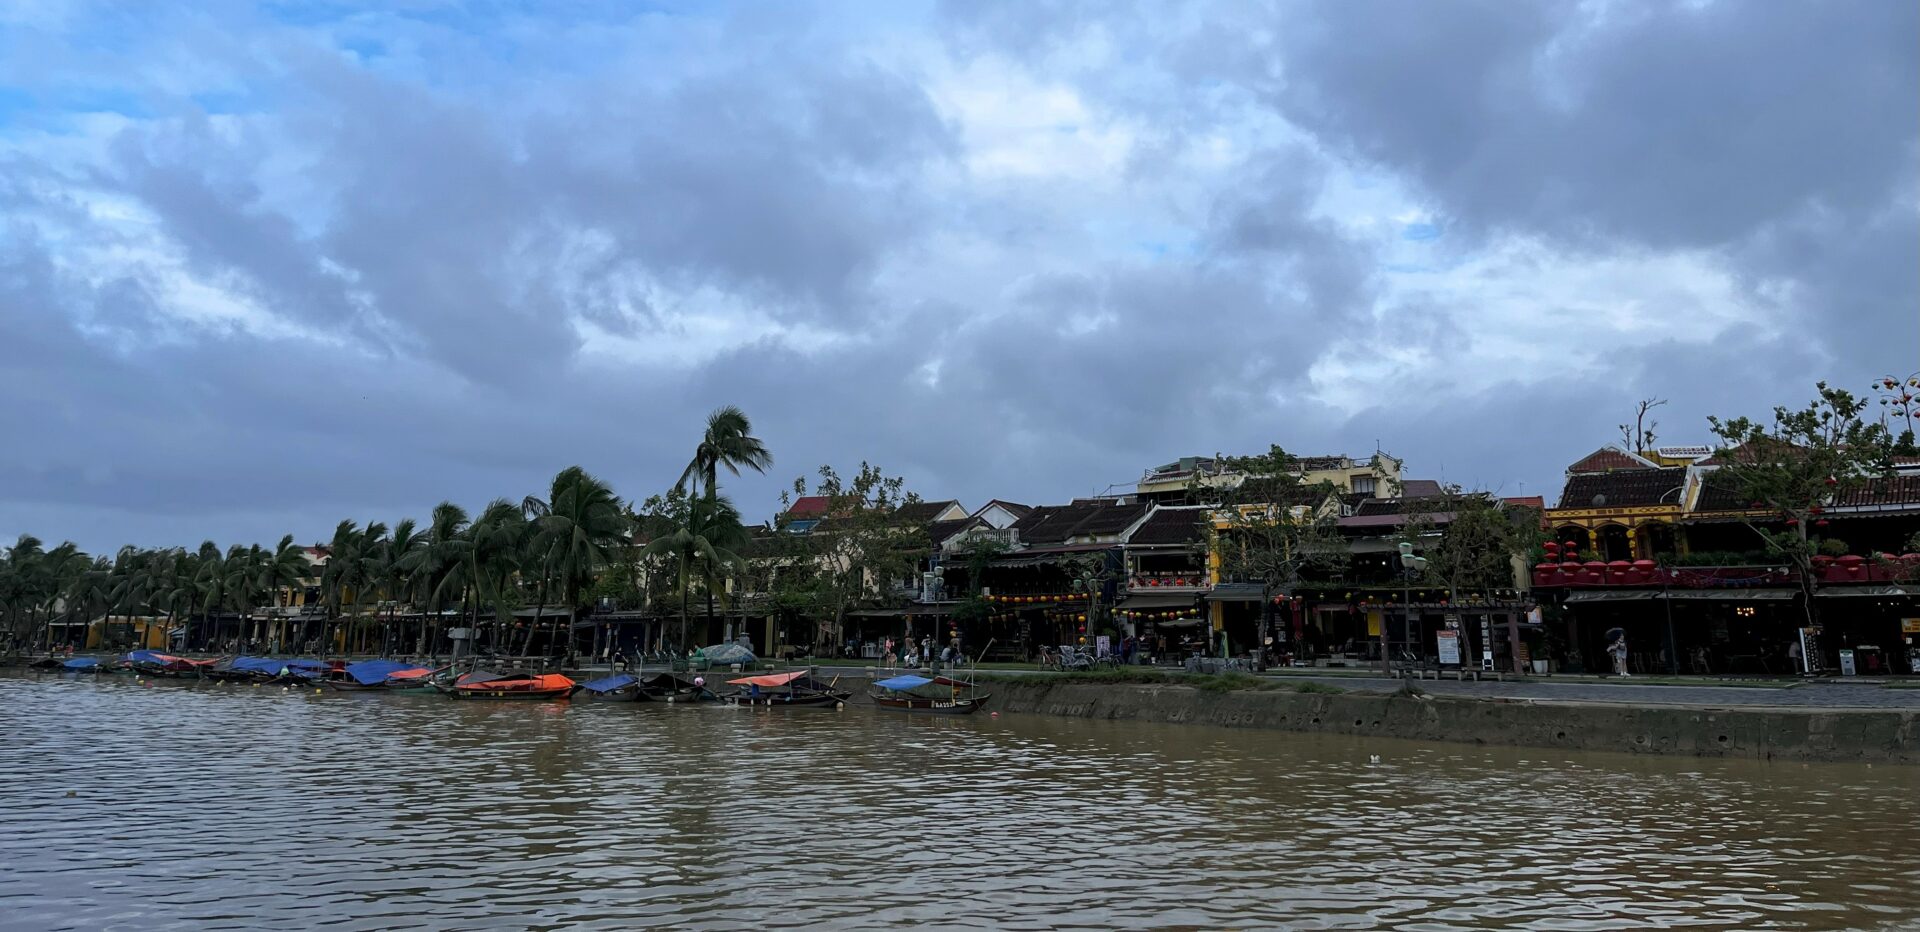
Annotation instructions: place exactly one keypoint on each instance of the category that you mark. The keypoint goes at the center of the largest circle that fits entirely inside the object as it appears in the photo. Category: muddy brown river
(176, 806)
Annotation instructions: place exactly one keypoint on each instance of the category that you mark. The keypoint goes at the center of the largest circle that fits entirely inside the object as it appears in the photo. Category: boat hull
(929, 706)
(808, 701)
(481, 692)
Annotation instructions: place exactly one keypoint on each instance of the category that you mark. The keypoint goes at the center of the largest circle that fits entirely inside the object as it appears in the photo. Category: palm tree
(391, 569)
(349, 573)
(24, 587)
(282, 568)
(434, 566)
(498, 546)
(87, 592)
(583, 520)
(701, 542)
(728, 442)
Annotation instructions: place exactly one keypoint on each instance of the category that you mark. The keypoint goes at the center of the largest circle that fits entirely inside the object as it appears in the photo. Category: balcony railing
(1883, 569)
(1176, 582)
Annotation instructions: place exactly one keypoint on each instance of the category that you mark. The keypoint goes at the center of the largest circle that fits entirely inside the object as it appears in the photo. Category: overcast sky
(264, 268)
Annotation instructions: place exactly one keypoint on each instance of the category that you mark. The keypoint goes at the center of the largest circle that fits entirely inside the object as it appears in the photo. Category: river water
(178, 806)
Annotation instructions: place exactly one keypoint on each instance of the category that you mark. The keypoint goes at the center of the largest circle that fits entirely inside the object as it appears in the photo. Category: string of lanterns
(1038, 599)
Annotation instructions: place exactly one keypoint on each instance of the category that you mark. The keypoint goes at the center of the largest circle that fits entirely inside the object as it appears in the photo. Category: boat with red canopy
(480, 685)
(794, 689)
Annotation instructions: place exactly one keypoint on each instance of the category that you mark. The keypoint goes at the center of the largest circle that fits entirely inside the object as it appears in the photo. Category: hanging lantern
(1793, 522)
(1820, 523)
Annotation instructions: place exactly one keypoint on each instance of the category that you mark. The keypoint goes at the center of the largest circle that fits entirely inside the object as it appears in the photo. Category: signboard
(1910, 625)
(1809, 650)
(1449, 646)
(1533, 616)
(1103, 646)
(1486, 642)
(1846, 663)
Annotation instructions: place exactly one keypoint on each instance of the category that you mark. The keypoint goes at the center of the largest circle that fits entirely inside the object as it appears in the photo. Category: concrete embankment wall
(1872, 736)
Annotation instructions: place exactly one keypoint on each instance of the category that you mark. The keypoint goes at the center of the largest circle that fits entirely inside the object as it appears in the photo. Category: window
(1363, 485)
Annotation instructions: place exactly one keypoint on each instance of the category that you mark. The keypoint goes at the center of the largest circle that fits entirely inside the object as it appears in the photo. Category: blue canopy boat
(620, 687)
(369, 674)
(83, 665)
(938, 695)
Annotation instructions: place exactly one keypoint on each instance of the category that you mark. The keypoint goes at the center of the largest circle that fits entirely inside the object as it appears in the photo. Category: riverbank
(1889, 736)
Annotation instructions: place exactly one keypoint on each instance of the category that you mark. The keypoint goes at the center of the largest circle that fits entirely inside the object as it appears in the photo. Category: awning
(1613, 595)
(1237, 592)
(1731, 595)
(1176, 623)
(1151, 600)
(932, 608)
(1854, 592)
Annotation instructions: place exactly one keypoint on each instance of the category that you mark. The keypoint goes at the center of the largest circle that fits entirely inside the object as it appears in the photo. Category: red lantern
(1832, 481)
(1820, 523)
(1793, 522)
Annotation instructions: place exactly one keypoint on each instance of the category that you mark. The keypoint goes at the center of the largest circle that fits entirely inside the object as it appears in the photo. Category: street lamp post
(1411, 567)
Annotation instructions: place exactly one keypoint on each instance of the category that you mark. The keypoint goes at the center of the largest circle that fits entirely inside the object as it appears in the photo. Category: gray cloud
(427, 264)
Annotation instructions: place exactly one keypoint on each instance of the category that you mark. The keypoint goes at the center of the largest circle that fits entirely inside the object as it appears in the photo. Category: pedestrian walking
(1619, 651)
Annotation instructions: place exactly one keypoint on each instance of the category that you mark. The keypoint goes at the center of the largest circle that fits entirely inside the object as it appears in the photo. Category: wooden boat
(620, 687)
(938, 695)
(370, 674)
(154, 663)
(511, 686)
(416, 681)
(795, 690)
(673, 687)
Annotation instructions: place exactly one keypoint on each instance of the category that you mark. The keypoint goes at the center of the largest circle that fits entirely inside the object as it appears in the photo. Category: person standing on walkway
(1619, 651)
(1794, 657)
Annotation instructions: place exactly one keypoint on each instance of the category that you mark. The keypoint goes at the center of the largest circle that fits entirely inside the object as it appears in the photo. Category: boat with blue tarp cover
(83, 665)
(369, 674)
(620, 687)
(938, 695)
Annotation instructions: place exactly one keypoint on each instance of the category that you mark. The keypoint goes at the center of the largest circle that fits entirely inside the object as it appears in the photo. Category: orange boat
(511, 686)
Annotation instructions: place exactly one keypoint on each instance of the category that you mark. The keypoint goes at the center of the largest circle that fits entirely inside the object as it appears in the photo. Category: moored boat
(911, 693)
(672, 687)
(370, 674)
(154, 663)
(798, 689)
(511, 686)
(418, 680)
(620, 687)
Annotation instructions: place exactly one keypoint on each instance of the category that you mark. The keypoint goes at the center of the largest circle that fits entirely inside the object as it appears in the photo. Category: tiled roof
(1608, 458)
(1171, 526)
(1526, 501)
(1718, 494)
(1053, 524)
(1015, 509)
(1420, 488)
(1892, 490)
(923, 512)
(938, 532)
(808, 505)
(1623, 489)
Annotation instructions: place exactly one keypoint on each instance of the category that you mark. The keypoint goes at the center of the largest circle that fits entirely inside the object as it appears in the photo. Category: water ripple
(219, 807)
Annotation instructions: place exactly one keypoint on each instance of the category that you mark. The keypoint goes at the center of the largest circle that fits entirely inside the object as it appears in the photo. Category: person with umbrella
(1617, 646)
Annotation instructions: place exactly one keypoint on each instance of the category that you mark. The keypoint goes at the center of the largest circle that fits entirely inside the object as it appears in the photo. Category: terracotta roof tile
(1624, 488)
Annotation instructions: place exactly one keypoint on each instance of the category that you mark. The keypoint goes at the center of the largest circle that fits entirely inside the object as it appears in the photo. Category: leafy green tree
(1274, 528)
(862, 547)
(1795, 466)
